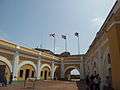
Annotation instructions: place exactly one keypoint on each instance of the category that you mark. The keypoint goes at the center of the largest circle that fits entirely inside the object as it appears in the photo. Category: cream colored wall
(114, 43)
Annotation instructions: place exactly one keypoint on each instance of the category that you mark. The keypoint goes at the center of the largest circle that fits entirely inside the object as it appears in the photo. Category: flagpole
(77, 35)
(54, 40)
(65, 38)
(78, 45)
(54, 44)
(66, 44)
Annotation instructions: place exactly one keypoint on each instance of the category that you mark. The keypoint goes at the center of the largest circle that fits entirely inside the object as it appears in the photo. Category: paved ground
(45, 85)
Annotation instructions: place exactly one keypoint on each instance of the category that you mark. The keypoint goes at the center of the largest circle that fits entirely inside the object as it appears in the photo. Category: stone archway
(26, 69)
(67, 72)
(5, 67)
(45, 72)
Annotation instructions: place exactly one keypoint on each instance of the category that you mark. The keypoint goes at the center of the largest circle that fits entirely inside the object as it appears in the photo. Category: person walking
(1, 78)
(97, 82)
(108, 84)
(92, 82)
(87, 82)
(4, 79)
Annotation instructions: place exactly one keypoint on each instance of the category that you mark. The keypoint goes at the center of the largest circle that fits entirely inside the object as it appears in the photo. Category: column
(15, 65)
(82, 69)
(62, 70)
(53, 70)
(38, 67)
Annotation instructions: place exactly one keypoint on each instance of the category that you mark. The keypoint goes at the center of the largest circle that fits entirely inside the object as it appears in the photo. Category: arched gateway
(5, 67)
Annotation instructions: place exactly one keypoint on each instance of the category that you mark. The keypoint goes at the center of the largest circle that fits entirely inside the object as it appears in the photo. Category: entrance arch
(5, 67)
(45, 72)
(7, 62)
(68, 75)
(26, 69)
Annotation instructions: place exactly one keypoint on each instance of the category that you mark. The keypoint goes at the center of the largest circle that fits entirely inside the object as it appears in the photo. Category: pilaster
(62, 70)
(15, 64)
(38, 67)
(53, 70)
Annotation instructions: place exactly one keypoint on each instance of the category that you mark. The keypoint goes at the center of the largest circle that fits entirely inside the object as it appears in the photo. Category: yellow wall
(114, 43)
(24, 70)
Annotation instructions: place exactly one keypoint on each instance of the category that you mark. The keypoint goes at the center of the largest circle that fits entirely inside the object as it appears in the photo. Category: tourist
(92, 82)
(108, 84)
(97, 81)
(1, 78)
(87, 82)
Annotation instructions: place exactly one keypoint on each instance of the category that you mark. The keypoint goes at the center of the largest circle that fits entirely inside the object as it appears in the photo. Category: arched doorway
(72, 73)
(26, 71)
(5, 67)
(4, 70)
(45, 73)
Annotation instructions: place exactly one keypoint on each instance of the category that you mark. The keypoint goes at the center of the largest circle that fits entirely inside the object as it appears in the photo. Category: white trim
(55, 68)
(45, 65)
(117, 6)
(5, 60)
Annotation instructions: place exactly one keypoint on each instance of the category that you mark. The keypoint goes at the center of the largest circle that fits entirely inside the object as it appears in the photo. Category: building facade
(26, 63)
(102, 57)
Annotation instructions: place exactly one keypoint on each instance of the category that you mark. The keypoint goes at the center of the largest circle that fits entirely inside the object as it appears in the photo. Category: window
(21, 73)
(41, 73)
(109, 59)
(94, 64)
(110, 71)
(32, 74)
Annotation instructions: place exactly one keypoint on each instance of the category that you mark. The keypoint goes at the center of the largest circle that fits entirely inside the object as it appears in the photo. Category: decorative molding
(6, 61)
(45, 65)
(69, 68)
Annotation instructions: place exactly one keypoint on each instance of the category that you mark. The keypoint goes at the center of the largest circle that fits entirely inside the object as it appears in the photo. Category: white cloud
(97, 21)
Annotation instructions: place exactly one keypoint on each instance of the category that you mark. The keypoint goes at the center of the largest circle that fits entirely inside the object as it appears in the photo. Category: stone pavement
(45, 85)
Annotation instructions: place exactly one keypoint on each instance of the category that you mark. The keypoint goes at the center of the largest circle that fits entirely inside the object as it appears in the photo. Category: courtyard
(44, 85)
(46, 43)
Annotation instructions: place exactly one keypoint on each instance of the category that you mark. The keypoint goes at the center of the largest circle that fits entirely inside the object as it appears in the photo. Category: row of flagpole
(65, 38)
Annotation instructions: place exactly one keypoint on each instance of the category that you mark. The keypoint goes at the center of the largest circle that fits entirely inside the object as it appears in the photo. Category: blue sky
(29, 22)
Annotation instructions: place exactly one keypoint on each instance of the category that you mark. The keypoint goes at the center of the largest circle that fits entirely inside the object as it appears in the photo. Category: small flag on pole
(52, 35)
(63, 36)
(76, 34)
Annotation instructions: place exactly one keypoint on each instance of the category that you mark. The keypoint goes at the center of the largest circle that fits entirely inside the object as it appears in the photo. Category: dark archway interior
(45, 73)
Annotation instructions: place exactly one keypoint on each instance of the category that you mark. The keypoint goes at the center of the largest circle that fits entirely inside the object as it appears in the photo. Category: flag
(52, 35)
(76, 34)
(63, 36)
